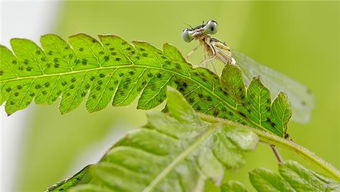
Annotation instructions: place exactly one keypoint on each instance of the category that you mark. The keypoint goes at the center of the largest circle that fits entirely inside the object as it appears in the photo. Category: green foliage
(178, 151)
(174, 152)
(233, 186)
(293, 177)
(114, 71)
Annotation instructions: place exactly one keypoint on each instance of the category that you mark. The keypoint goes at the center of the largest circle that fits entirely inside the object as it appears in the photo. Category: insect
(300, 97)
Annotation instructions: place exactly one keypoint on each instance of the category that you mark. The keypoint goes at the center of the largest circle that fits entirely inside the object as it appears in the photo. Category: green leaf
(255, 102)
(233, 186)
(303, 179)
(266, 180)
(176, 151)
(112, 70)
(293, 177)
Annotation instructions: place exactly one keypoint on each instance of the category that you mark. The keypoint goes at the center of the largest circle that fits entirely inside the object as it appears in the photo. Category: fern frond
(112, 70)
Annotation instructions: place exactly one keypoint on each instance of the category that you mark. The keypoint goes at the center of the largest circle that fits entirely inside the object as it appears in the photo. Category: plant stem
(277, 154)
(281, 142)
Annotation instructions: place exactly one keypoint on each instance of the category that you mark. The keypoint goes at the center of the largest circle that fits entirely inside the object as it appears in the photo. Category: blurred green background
(299, 39)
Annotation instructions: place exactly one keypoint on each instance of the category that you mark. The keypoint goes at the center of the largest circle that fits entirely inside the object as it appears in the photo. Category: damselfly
(301, 99)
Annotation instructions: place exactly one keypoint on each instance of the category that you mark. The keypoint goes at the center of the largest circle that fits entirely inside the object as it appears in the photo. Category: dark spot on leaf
(50, 52)
(83, 94)
(98, 88)
(70, 56)
(163, 57)
(121, 74)
(47, 84)
(132, 52)
(101, 75)
(56, 65)
(44, 92)
(231, 113)
(81, 49)
(272, 124)
(111, 49)
(191, 100)
(100, 82)
(43, 59)
(142, 49)
(286, 136)
(137, 57)
(178, 67)
(71, 86)
(117, 59)
(111, 88)
(38, 52)
(131, 72)
(159, 75)
(68, 94)
(66, 47)
(215, 113)
(243, 96)
(64, 83)
(129, 48)
(14, 62)
(150, 75)
(145, 54)
(93, 41)
(16, 94)
(84, 61)
(209, 98)
(113, 53)
(11, 102)
(268, 101)
(55, 59)
(26, 62)
(38, 86)
(116, 82)
(124, 43)
(93, 96)
(92, 78)
(29, 69)
(200, 95)
(19, 87)
(73, 79)
(106, 58)
(198, 108)
(87, 86)
(32, 94)
(242, 114)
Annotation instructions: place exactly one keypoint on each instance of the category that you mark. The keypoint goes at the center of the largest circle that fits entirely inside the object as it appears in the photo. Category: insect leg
(205, 61)
(192, 51)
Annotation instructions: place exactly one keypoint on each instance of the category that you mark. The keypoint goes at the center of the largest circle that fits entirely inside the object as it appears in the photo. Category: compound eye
(186, 36)
(211, 27)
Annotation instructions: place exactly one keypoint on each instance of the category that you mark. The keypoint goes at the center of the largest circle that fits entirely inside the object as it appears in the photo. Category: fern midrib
(179, 158)
(136, 66)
